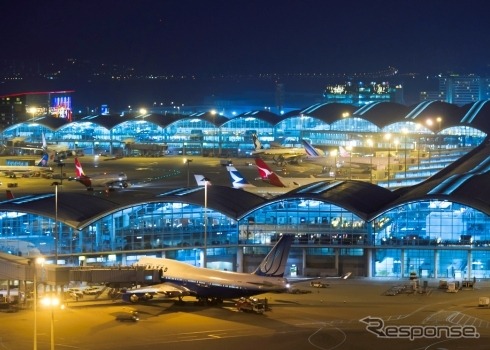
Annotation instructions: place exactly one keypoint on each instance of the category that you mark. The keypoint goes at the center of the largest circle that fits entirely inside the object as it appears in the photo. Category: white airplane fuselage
(208, 283)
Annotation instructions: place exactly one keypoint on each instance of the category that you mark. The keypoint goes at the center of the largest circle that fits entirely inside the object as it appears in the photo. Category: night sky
(238, 49)
(253, 36)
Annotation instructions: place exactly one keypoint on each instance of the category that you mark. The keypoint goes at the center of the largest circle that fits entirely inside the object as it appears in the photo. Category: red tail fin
(78, 168)
(275, 180)
(267, 174)
(10, 195)
(263, 168)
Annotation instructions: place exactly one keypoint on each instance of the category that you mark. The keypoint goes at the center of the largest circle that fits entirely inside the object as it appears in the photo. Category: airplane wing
(162, 290)
(319, 280)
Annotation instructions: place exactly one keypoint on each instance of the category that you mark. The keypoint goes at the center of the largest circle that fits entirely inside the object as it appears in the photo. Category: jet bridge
(25, 269)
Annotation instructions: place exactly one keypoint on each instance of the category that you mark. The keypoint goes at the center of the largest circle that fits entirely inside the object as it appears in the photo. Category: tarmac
(348, 314)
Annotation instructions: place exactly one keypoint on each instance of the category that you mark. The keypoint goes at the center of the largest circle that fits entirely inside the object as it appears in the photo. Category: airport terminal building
(437, 227)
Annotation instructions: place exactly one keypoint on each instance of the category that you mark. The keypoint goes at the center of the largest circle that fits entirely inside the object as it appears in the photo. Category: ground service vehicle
(318, 284)
(251, 305)
(131, 316)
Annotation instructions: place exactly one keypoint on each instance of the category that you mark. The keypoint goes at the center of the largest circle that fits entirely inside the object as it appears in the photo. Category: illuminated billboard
(61, 107)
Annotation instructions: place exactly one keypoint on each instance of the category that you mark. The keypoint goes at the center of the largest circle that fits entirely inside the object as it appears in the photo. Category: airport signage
(376, 326)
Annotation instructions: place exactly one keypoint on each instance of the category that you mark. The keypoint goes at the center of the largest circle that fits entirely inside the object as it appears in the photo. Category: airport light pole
(61, 165)
(213, 113)
(51, 302)
(405, 132)
(35, 307)
(55, 228)
(439, 143)
(33, 111)
(417, 144)
(334, 155)
(388, 138)
(205, 252)
(349, 148)
(188, 162)
(370, 144)
(37, 261)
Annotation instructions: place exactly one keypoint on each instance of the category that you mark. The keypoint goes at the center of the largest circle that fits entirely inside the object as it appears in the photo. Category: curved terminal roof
(70, 211)
(465, 181)
(266, 116)
(108, 121)
(98, 204)
(51, 122)
(382, 114)
(430, 110)
(360, 198)
(162, 120)
(329, 112)
(476, 115)
(211, 117)
(220, 198)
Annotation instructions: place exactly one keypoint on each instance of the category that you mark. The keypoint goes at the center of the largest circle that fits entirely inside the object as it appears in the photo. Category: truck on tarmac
(319, 284)
(131, 316)
(251, 305)
(226, 162)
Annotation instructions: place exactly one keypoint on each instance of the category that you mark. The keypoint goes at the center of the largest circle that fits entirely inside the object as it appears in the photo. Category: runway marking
(456, 317)
(310, 339)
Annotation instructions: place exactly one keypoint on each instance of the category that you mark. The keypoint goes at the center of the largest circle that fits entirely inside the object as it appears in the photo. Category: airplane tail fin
(78, 168)
(237, 179)
(257, 144)
(263, 168)
(275, 180)
(310, 150)
(267, 174)
(44, 161)
(274, 264)
(45, 144)
(343, 152)
(10, 195)
(201, 180)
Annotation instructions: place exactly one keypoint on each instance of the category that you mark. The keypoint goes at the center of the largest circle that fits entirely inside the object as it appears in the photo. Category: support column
(303, 261)
(337, 254)
(124, 262)
(436, 263)
(239, 259)
(402, 264)
(468, 264)
(369, 262)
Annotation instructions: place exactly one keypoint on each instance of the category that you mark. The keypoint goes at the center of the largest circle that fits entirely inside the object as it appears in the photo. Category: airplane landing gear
(209, 301)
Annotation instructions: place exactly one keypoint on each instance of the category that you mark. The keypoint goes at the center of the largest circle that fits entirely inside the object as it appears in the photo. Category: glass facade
(438, 239)
(196, 136)
(453, 239)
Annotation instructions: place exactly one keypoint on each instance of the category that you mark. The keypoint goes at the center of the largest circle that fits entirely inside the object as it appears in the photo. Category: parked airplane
(238, 181)
(179, 279)
(18, 247)
(281, 155)
(106, 180)
(60, 151)
(17, 166)
(268, 175)
(201, 180)
(344, 158)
